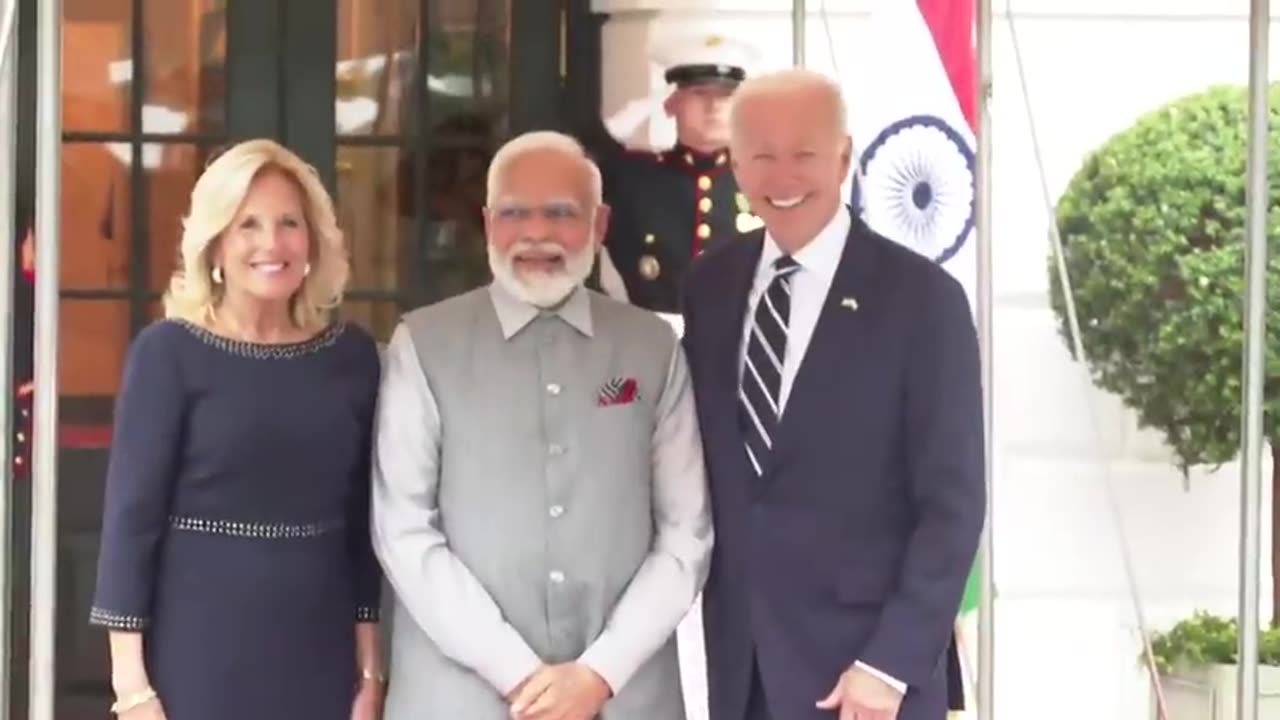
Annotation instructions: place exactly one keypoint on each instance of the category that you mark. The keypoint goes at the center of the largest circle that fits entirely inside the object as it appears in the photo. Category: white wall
(1067, 641)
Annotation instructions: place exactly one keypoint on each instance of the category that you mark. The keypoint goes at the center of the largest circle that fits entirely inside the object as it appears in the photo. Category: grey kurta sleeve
(440, 593)
(673, 574)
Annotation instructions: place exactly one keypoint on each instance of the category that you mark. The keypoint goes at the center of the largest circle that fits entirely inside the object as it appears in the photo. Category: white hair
(540, 141)
(786, 82)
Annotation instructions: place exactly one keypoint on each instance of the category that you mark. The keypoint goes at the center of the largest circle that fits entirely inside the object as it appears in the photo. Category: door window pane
(186, 51)
(96, 41)
(378, 317)
(171, 170)
(376, 66)
(410, 197)
(93, 339)
(378, 235)
(468, 52)
(95, 216)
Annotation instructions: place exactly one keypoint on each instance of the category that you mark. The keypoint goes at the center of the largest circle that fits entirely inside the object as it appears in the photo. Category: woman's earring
(217, 275)
(306, 269)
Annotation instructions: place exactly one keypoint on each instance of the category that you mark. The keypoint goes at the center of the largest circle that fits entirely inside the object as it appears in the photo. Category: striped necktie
(760, 390)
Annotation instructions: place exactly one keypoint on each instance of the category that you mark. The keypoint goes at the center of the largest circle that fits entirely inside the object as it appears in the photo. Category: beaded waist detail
(260, 531)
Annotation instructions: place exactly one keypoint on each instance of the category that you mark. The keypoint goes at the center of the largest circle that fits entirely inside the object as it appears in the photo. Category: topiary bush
(1153, 228)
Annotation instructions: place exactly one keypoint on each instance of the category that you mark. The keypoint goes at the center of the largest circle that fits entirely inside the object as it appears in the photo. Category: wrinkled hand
(570, 691)
(368, 702)
(859, 695)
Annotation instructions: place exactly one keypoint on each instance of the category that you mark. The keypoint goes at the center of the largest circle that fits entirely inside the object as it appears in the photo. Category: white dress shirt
(810, 286)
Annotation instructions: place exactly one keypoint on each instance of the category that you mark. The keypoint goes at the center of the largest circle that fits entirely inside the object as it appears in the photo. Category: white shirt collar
(820, 256)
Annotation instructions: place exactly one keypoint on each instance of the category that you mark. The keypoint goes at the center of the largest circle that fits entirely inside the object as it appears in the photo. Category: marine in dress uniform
(670, 205)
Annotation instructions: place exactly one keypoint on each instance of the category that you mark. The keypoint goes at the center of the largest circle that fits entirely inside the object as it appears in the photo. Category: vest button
(556, 511)
(556, 576)
(553, 389)
(555, 450)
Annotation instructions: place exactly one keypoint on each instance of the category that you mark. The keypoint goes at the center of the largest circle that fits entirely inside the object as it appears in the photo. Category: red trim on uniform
(84, 437)
(698, 215)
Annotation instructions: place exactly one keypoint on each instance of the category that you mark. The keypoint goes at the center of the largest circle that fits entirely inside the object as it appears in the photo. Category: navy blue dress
(235, 532)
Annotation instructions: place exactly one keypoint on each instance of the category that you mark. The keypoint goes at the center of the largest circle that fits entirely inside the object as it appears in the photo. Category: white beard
(543, 290)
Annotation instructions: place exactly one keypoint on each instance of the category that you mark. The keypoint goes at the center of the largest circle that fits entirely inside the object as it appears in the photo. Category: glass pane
(453, 258)
(94, 338)
(95, 216)
(376, 65)
(468, 51)
(186, 52)
(171, 172)
(377, 233)
(96, 69)
(379, 318)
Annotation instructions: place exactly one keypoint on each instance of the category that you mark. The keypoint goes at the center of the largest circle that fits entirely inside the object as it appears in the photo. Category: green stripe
(972, 591)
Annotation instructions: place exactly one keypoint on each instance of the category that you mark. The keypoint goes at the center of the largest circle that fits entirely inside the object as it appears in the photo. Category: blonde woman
(236, 576)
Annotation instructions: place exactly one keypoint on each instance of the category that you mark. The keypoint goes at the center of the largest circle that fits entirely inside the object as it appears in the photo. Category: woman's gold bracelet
(125, 704)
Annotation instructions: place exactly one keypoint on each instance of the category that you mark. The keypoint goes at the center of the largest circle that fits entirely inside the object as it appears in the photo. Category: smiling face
(543, 226)
(263, 253)
(790, 157)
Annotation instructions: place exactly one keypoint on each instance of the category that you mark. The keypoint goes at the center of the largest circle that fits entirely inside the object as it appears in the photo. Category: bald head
(801, 94)
(791, 152)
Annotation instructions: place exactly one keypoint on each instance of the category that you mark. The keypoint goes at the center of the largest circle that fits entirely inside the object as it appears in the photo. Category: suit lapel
(725, 320)
(728, 318)
(839, 339)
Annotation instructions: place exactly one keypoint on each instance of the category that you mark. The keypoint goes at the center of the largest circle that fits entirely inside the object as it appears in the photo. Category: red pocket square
(618, 391)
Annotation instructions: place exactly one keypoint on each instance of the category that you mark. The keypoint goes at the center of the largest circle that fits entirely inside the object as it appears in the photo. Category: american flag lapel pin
(849, 303)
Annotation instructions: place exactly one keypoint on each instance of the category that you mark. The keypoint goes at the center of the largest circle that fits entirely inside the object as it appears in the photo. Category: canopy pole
(44, 485)
(797, 32)
(1256, 202)
(982, 196)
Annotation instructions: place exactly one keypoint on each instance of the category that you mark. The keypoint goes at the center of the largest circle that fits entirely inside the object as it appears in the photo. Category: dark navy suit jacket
(856, 543)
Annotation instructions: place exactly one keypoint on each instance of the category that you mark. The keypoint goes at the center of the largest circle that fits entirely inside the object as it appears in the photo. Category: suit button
(704, 183)
(556, 576)
(704, 231)
(704, 205)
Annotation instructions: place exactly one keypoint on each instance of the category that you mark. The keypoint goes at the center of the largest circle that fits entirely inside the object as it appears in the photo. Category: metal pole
(982, 196)
(44, 486)
(1256, 203)
(8, 270)
(797, 32)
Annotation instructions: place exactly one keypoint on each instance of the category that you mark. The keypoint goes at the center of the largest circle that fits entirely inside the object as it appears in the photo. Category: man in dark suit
(838, 388)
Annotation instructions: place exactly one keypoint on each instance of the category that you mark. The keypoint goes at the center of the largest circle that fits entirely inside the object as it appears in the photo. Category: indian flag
(913, 129)
(912, 123)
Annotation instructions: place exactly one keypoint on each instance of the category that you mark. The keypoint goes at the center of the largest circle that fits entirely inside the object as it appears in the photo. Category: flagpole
(797, 32)
(982, 196)
(1256, 205)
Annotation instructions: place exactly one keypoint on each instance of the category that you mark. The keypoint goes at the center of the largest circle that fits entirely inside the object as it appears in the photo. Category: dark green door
(397, 103)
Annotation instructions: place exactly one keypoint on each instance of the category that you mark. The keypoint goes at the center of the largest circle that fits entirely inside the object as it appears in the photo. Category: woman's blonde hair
(215, 200)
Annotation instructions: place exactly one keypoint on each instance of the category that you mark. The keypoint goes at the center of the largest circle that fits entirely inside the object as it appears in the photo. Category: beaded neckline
(265, 351)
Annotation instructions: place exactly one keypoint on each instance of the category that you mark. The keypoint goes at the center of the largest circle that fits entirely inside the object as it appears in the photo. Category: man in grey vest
(540, 503)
